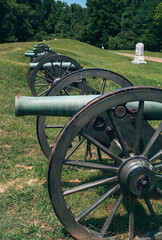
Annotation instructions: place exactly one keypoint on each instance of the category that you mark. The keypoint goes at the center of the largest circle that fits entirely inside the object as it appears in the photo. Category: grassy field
(25, 208)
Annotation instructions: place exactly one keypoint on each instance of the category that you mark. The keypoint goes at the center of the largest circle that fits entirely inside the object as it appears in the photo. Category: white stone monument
(139, 55)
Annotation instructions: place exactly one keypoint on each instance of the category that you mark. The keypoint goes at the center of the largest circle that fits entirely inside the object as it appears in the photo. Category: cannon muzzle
(68, 105)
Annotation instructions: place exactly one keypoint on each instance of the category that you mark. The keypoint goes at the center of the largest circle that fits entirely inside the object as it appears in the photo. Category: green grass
(25, 209)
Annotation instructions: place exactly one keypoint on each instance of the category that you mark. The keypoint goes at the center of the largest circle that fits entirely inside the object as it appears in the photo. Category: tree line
(114, 24)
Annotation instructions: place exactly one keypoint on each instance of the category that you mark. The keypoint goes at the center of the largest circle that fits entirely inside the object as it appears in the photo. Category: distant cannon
(38, 53)
(49, 70)
(46, 67)
(124, 168)
(38, 50)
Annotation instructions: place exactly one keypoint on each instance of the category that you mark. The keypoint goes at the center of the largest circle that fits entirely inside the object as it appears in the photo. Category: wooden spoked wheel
(81, 82)
(114, 198)
(37, 60)
(49, 70)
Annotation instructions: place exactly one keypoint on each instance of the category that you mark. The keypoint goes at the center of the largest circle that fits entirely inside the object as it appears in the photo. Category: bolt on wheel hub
(137, 176)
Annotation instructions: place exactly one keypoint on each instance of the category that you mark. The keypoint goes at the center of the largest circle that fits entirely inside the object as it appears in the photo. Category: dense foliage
(114, 24)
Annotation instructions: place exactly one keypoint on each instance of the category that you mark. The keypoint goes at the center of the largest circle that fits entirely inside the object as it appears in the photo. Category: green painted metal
(29, 54)
(68, 105)
(63, 65)
(50, 106)
(36, 48)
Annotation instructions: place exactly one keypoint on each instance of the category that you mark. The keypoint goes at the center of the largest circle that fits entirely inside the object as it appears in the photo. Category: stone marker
(139, 55)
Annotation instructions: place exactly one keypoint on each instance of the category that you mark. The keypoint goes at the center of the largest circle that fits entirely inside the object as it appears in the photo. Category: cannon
(81, 82)
(122, 179)
(36, 60)
(47, 67)
(38, 50)
(49, 70)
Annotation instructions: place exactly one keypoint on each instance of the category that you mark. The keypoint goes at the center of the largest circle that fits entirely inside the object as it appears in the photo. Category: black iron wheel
(115, 199)
(50, 70)
(37, 60)
(81, 82)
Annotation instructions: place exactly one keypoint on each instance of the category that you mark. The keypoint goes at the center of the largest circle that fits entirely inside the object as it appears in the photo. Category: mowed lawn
(25, 208)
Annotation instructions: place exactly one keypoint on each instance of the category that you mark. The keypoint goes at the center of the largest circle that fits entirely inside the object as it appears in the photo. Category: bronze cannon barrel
(68, 105)
(63, 65)
(31, 53)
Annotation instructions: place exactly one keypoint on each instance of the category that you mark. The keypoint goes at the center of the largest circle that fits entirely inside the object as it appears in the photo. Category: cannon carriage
(48, 71)
(38, 53)
(122, 131)
(82, 82)
(47, 67)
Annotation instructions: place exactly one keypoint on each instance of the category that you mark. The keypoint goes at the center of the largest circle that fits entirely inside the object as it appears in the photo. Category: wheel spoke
(158, 166)
(103, 86)
(159, 177)
(111, 215)
(156, 156)
(152, 213)
(100, 146)
(45, 91)
(42, 85)
(119, 136)
(67, 70)
(66, 91)
(49, 73)
(131, 218)
(54, 126)
(136, 147)
(92, 90)
(97, 202)
(152, 140)
(74, 148)
(60, 69)
(99, 155)
(90, 185)
(83, 88)
(43, 78)
(74, 89)
(96, 166)
(86, 151)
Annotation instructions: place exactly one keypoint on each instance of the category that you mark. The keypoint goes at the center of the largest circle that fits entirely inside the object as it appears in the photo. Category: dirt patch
(74, 181)
(31, 182)
(7, 146)
(4, 187)
(18, 186)
(22, 166)
(153, 59)
(18, 49)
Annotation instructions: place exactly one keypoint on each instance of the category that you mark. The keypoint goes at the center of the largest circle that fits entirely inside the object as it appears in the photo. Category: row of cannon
(46, 67)
(106, 156)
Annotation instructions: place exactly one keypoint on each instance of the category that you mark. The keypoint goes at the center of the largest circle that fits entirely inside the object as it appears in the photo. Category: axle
(68, 105)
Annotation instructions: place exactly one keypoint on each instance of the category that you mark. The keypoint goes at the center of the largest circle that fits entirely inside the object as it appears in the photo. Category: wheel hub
(137, 176)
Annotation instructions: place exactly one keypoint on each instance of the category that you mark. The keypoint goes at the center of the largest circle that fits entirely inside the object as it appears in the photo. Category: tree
(104, 20)
(137, 25)
(19, 22)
